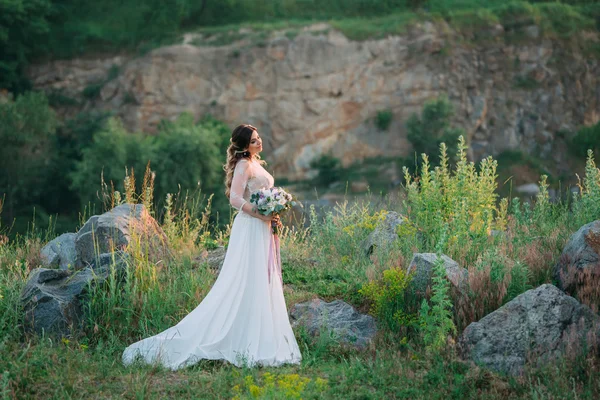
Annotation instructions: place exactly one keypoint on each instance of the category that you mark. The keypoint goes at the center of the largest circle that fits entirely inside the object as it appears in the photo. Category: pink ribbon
(274, 255)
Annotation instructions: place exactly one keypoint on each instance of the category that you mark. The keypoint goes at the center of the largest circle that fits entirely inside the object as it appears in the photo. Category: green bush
(427, 131)
(586, 205)
(185, 156)
(390, 299)
(472, 21)
(563, 20)
(23, 25)
(112, 150)
(384, 119)
(517, 14)
(587, 138)
(464, 199)
(27, 130)
(435, 320)
(329, 169)
(189, 156)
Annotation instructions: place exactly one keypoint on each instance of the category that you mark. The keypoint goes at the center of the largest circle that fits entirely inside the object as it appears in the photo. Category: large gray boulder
(422, 266)
(538, 325)
(580, 256)
(53, 299)
(348, 325)
(115, 229)
(384, 233)
(214, 258)
(60, 252)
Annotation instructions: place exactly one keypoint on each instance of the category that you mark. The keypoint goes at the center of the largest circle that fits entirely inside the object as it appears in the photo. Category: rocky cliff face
(319, 92)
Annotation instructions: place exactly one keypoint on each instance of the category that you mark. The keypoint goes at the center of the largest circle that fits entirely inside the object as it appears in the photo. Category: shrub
(112, 150)
(517, 14)
(563, 20)
(390, 299)
(435, 320)
(329, 169)
(587, 138)
(185, 156)
(427, 131)
(92, 91)
(464, 199)
(586, 205)
(384, 119)
(27, 129)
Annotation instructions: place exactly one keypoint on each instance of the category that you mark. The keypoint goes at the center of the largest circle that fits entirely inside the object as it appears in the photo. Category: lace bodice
(248, 177)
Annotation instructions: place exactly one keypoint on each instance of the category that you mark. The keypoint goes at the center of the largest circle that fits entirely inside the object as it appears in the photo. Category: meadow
(507, 245)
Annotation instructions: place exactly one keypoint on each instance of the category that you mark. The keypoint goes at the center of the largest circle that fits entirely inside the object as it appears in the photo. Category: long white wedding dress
(243, 319)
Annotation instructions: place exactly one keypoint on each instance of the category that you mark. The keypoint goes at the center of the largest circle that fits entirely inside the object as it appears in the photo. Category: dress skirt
(243, 319)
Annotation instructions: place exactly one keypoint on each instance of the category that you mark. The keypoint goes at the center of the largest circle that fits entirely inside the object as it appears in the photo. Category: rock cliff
(319, 92)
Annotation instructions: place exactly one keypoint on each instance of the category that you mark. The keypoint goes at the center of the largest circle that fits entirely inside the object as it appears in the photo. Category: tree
(27, 127)
(22, 24)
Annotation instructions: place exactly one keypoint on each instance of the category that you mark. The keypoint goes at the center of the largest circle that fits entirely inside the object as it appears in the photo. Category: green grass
(473, 18)
(326, 260)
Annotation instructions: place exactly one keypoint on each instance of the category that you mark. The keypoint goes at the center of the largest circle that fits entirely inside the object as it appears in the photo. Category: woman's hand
(276, 221)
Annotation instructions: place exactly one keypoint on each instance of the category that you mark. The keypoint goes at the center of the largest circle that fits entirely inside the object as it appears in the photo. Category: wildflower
(255, 391)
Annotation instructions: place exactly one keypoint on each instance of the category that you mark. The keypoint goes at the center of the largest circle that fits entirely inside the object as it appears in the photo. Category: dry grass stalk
(583, 284)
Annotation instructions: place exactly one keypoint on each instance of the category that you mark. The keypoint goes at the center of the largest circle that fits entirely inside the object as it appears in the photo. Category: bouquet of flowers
(272, 201)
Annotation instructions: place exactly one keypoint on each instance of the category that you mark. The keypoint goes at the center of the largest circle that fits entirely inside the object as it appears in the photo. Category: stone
(540, 325)
(60, 252)
(113, 231)
(422, 266)
(214, 258)
(340, 318)
(529, 189)
(384, 233)
(53, 299)
(359, 186)
(580, 257)
(532, 31)
(104, 263)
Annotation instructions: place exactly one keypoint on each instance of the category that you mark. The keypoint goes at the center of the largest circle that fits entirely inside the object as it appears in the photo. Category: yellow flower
(255, 391)
(269, 380)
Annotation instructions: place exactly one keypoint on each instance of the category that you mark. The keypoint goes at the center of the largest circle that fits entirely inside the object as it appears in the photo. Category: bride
(243, 318)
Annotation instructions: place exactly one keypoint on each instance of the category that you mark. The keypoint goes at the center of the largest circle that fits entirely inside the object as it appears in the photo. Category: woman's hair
(238, 149)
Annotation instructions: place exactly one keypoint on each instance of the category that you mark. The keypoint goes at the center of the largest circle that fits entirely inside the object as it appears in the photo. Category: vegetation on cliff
(34, 29)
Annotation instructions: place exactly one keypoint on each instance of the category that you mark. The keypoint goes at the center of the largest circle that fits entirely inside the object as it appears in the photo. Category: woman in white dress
(243, 319)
